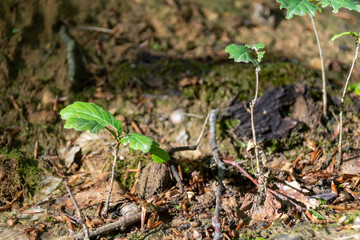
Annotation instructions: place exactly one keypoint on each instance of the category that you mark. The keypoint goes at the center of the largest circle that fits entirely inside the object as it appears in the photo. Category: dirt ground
(145, 62)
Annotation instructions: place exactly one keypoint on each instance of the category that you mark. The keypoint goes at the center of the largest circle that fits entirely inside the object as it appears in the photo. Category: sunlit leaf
(138, 141)
(159, 155)
(298, 7)
(89, 116)
(336, 4)
(81, 124)
(244, 53)
(355, 88)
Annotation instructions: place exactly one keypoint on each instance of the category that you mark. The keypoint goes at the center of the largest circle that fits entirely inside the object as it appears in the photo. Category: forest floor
(146, 62)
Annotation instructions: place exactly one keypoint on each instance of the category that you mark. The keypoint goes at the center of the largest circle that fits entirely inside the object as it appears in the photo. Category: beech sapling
(306, 7)
(357, 42)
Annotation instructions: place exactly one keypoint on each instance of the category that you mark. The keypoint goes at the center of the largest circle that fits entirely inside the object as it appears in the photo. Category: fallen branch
(94, 29)
(221, 172)
(122, 223)
(70, 49)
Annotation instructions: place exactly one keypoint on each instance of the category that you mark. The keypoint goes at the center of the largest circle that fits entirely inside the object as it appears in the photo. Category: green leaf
(343, 34)
(158, 154)
(355, 88)
(259, 46)
(260, 55)
(336, 4)
(298, 7)
(81, 124)
(82, 111)
(316, 214)
(138, 141)
(243, 53)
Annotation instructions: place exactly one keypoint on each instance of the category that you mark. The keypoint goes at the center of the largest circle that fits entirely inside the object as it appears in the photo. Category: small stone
(197, 235)
(178, 116)
(48, 97)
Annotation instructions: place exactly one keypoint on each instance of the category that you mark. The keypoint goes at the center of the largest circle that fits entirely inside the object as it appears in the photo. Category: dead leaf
(291, 191)
(350, 165)
(95, 193)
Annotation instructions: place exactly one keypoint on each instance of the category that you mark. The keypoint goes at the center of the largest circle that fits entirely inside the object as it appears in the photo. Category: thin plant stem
(107, 202)
(342, 102)
(221, 173)
(252, 106)
(322, 67)
(78, 212)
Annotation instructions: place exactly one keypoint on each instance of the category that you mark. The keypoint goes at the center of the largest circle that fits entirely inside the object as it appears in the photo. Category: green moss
(26, 168)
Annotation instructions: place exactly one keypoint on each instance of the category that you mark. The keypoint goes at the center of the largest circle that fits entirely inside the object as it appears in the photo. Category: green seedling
(250, 53)
(357, 42)
(306, 7)
(88, 116)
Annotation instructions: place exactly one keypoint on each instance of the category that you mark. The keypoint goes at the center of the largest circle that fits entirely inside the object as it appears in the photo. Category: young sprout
(245, 54)
(306, 7)
(357, 42)
(89, 116)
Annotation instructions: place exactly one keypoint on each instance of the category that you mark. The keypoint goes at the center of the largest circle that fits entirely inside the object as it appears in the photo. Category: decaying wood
(269, 123)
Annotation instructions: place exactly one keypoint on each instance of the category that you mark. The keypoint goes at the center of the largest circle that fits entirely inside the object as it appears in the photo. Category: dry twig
(70, 52)
(106, 206)
(122, 223)
(184, 148)
(86, 229)
(221, 172)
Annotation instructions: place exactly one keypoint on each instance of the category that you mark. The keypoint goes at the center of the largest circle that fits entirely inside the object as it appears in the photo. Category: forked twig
(193, 147)
(86, 230)
(184, 148)
(221, 173)
(106, 206)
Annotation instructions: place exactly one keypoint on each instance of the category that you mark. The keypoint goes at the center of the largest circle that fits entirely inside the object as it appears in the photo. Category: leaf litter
(302, 174)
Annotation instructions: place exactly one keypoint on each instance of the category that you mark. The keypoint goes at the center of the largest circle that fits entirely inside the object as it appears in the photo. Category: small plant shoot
(88, 116)
(250, 53)
(298, 7)
(303, 7)
(245, 53)
(357, 43)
